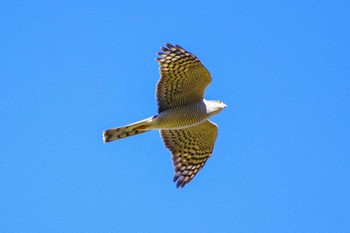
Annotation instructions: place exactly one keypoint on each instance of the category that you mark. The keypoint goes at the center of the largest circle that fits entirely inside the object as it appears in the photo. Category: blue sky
(69, 70)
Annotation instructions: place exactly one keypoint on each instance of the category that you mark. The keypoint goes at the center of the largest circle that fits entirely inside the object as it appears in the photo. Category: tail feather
(127, 131)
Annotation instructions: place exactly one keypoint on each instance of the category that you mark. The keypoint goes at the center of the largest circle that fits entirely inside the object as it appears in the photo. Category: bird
(183, 113)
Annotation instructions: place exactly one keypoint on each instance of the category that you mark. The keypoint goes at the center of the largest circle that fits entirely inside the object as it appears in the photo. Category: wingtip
(180, 181)
(169, 45)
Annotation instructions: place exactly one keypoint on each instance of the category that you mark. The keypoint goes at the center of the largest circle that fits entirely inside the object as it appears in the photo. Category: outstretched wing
(190, 148)
(183, 78)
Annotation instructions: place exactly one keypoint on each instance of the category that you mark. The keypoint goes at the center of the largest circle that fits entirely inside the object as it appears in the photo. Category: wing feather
(183, 78)
(190, 148)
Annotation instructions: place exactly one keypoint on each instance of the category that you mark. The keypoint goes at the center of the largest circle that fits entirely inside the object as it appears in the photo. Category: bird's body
(185, 116)
(179, 117)
(183, 113)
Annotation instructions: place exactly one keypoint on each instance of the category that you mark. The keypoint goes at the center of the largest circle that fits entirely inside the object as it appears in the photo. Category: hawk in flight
(183, 113)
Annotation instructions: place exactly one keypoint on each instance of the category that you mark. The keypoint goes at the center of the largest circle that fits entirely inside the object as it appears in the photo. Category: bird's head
(214, 106)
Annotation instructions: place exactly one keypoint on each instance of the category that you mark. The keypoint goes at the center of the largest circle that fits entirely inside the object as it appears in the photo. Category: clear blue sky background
(69, 70)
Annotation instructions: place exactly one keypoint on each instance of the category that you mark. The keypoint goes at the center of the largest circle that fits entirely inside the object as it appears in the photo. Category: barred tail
(127, 131)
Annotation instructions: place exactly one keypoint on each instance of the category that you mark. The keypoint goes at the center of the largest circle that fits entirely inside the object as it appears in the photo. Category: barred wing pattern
(183, 78)
(190, 148)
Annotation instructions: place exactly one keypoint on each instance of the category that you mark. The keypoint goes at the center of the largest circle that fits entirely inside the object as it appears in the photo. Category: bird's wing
(190, 148)
(183, 78)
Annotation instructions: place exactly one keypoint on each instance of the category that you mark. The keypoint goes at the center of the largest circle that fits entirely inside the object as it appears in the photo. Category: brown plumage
(183, 113)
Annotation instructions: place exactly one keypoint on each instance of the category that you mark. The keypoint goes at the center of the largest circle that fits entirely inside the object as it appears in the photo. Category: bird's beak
(225, 106)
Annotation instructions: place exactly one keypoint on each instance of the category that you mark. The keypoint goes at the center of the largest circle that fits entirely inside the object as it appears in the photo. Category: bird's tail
(128, 130)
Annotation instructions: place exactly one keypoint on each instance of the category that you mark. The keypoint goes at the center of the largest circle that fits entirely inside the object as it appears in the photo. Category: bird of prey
(183, 113)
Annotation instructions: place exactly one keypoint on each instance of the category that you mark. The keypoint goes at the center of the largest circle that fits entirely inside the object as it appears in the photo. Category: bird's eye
(218, 101)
